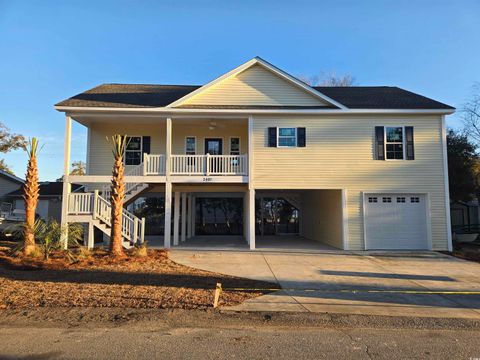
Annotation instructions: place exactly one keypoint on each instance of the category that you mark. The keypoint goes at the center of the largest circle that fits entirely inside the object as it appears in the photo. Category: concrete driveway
(425, 284)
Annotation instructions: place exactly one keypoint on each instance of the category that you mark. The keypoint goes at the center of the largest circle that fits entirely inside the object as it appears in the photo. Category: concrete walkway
(373, 283)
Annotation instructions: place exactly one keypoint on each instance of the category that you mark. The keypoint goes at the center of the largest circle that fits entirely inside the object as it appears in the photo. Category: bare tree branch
(328, 79)
(471, 114)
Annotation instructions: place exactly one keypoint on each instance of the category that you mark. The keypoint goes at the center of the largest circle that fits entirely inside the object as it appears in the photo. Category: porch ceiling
(87, 119)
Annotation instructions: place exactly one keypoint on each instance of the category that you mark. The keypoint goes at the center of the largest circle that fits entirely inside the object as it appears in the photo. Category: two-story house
(352, 167)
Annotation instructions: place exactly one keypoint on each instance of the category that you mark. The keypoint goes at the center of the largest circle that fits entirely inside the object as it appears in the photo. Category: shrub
(49, 234)
(83, 253)
(140, 250)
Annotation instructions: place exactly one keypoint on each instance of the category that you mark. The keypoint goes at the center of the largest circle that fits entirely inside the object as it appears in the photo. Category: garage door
(396, 222)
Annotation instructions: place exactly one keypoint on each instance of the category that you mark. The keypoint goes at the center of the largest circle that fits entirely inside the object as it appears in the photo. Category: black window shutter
(379, 143)
(301, 137)
(272, 137)
(409, 137)
(146, 144)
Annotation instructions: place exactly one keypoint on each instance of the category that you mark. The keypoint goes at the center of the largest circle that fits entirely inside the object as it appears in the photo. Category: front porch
(159, 149)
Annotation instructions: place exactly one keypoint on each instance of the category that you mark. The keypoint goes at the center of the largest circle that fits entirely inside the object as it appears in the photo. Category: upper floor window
(394, 142)
(190, 145)
(287, 137)
(133, 150)
(234, 146)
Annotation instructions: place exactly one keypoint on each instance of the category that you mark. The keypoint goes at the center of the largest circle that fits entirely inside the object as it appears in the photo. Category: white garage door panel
(396, 225)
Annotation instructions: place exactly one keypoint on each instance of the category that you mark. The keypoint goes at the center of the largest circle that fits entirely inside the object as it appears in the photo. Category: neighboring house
(8, 183)
(357, 167)
(49, 204)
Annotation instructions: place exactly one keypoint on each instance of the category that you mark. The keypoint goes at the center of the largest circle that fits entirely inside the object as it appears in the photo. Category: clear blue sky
(51, 50)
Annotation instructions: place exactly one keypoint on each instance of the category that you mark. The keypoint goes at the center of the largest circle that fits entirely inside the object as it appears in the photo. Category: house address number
(207, 179)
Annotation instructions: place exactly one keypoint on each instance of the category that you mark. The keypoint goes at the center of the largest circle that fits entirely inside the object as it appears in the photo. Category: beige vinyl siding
(200, 129)
(255, 86)
(100, 154)
(339, 155)
(100, 158)
(7, 186)
(322, 216)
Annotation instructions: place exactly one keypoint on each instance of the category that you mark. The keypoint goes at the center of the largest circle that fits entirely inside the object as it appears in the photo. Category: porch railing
(209, 164)
(80, 203)
(153, 164)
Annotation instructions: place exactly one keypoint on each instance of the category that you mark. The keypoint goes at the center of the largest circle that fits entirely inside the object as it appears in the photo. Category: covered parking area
(285, 220)
(300, 219)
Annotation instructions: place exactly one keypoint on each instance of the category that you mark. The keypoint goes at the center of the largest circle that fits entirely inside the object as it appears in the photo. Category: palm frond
(32, 148)
(118, 144)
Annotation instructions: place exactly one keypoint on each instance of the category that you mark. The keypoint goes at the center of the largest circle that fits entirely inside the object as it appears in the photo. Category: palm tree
(117, 194)
(30, 195)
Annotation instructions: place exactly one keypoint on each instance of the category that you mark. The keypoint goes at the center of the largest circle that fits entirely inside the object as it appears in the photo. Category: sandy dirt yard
(97, 280)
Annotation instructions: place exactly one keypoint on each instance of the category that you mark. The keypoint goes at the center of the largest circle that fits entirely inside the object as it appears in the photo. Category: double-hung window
(190, 145)
(133, 150)
(287, 137)
(394, 143)
(234, 146)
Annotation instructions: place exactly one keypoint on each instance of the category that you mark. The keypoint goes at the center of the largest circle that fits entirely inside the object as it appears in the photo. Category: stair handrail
(132, 228)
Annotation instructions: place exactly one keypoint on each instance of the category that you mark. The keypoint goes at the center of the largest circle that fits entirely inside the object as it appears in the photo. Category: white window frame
(404, 154)
(141, 149)
(185, 144)
(278, 137)
(239, 144)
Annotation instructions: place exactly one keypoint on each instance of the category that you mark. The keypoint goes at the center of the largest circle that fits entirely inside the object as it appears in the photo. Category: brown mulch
(153, 281)
(467, 251)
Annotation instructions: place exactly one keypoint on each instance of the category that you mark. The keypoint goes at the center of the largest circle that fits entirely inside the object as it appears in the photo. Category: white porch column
(194, 206)
(189, 217)
(262, 230)
(90, 241)
(184, 217)
(66, 184)
(251, 218)
(251, 189)
(176, 218)
(168, 148)
(245, 217)
(168, 186)
(168, 215)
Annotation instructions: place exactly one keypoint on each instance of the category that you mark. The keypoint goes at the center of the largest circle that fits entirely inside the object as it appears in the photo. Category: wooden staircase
(98, 211)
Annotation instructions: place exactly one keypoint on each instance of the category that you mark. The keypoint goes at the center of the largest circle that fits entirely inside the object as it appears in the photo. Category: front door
(213, 146)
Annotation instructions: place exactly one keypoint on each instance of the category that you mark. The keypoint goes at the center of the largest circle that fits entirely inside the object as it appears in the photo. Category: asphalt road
(242, 337)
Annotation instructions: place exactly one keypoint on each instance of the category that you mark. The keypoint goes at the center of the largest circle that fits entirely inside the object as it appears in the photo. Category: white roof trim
(269, 67)
(78, 110)
(13, 177)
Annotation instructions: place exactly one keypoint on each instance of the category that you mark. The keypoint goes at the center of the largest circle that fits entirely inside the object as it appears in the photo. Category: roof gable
(6, 175)
(256, 83)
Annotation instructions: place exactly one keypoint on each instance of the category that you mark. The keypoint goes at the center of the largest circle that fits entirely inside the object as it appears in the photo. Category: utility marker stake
(218, 291)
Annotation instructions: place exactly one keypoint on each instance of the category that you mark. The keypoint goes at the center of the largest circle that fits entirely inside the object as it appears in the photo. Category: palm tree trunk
(117, 198)
(30, 195)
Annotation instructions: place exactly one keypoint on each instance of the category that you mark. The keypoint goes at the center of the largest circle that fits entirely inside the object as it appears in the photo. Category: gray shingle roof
(379, 97)
(145, 96)
(46, 189)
